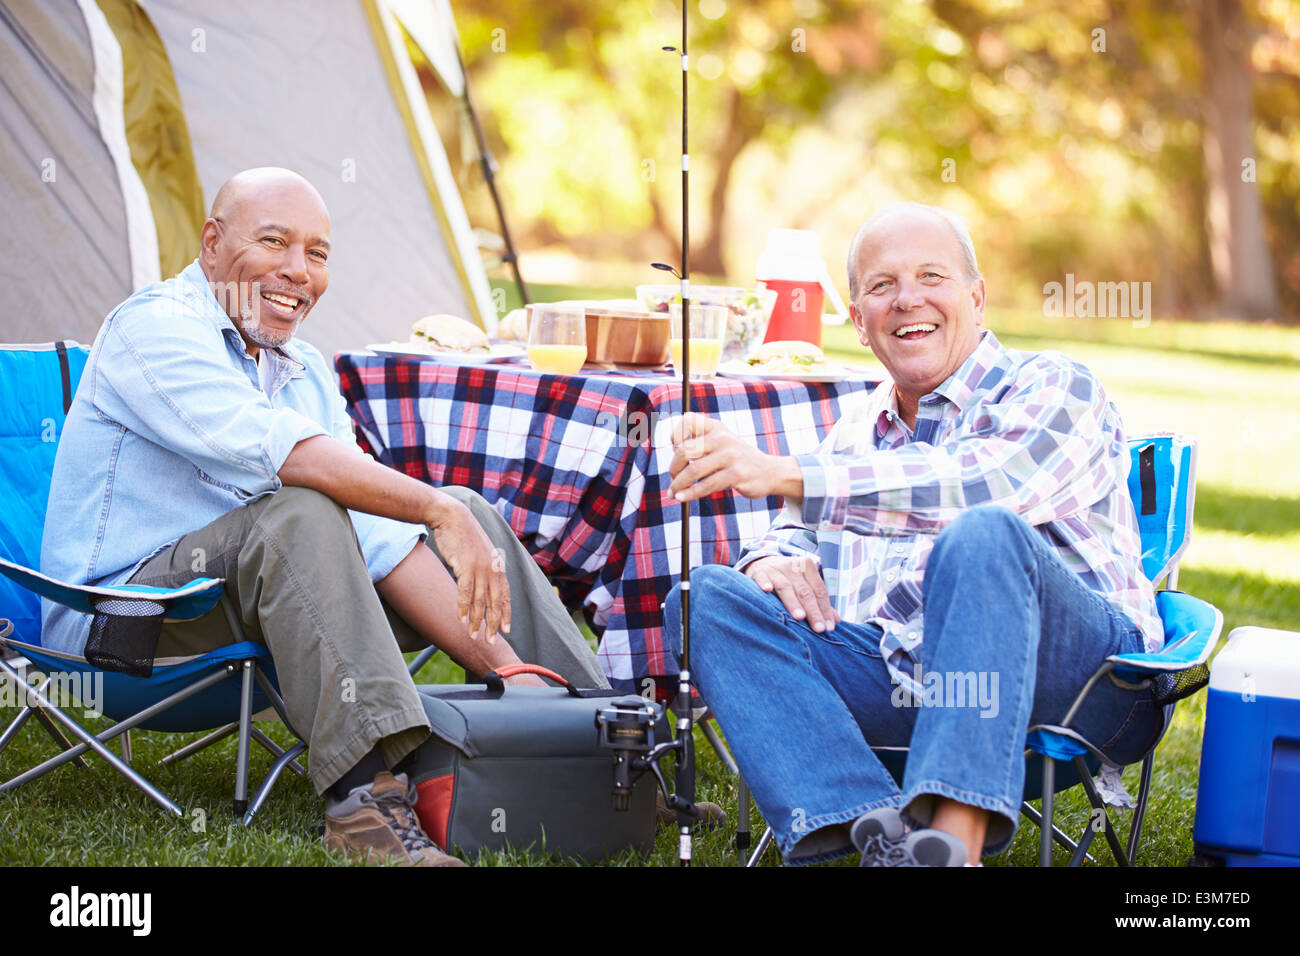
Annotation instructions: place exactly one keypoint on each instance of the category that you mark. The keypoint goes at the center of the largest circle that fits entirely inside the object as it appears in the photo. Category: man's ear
(208, 239)
(977, 300)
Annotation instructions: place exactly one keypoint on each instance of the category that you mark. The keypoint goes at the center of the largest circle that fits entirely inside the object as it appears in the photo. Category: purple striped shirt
(1032, 432)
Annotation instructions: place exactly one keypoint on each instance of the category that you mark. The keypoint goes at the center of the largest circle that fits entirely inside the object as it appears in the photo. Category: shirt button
(900, 548)
(891, 575)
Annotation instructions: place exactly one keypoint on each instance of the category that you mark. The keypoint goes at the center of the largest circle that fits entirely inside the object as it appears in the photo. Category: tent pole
(488, 165)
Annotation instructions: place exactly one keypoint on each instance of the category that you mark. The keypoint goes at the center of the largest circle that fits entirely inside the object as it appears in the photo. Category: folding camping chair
(1162, 482)
(224, 688)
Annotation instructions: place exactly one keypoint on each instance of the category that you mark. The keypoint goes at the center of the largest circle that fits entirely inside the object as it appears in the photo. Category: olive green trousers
(297, 578)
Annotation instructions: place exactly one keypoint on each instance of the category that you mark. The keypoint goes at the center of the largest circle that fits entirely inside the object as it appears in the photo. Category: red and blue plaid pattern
(578, 465)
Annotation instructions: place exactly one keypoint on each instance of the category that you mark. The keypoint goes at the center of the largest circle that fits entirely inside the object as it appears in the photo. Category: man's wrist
(439, 508)
(788, 479)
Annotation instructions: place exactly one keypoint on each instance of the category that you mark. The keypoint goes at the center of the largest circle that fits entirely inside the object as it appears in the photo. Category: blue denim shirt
(169, 430)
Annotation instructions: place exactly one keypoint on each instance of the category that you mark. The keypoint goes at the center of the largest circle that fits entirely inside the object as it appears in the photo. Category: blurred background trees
(1118, 140)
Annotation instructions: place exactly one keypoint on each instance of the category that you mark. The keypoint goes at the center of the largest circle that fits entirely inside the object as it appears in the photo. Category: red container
(798, 311)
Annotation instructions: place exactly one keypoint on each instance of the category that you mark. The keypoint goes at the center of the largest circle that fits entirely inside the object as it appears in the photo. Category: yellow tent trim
(158, 135)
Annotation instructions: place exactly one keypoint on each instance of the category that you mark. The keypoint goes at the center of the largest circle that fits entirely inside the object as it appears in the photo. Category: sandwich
(786, 357)
(449, 333)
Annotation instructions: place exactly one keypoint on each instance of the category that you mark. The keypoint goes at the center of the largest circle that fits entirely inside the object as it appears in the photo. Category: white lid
(1258, 662)
(794, 255)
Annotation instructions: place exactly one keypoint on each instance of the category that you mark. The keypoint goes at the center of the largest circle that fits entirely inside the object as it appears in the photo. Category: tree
(1239, 253)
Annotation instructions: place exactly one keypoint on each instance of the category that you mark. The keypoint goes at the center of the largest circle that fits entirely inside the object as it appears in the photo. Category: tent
(119, 119)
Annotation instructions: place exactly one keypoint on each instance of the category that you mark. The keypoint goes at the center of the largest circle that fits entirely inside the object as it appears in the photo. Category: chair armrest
(1192, 629)
(194, 599)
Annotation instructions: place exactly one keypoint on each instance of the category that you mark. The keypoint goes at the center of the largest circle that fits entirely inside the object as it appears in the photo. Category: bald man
(206, 440)
(951, 566)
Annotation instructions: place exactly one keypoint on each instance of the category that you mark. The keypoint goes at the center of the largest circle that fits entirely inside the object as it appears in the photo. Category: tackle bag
(522, 767)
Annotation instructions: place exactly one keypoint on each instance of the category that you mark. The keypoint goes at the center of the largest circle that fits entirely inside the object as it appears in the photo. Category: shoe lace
(886, 852)
(898, 855)
(397, 809)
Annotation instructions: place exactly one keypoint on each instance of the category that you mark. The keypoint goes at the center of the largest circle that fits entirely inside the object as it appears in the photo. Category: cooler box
(1248, 804)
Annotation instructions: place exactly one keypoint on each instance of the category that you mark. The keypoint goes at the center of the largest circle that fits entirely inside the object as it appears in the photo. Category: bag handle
(496, 679)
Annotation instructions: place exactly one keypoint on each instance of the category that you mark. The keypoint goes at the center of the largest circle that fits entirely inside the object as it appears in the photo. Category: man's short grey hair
(954, 221)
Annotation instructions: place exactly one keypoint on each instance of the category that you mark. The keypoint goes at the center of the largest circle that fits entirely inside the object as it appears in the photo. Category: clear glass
(708, 331)
(557, 338)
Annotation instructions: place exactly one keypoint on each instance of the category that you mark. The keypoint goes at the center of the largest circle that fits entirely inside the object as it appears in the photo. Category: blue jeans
(1011, 635)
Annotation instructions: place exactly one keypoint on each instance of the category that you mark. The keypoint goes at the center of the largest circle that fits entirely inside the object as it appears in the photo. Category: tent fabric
(68, 264)
(110, 94)
(431, 159)
(432, 27)
(257, 84)
(158, 136)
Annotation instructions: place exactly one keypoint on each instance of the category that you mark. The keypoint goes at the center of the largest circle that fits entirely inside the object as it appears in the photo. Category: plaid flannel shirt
(1032, 432)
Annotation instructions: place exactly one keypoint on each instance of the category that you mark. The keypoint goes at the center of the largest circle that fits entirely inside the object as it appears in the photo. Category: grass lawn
(1234, 387)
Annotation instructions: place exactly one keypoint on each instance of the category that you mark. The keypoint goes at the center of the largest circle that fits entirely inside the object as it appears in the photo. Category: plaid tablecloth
(578, 465)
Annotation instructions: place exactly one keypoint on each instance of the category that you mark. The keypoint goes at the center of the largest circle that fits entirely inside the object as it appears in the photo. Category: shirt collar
(196, 288)
(963, 383)
(882, 411)
(958, 388)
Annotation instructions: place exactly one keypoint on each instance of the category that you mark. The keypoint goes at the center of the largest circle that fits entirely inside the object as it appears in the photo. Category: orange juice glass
(708, 332)
(557, 338)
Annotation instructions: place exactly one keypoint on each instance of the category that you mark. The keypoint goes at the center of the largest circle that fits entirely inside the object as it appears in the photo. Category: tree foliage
(1070, 132)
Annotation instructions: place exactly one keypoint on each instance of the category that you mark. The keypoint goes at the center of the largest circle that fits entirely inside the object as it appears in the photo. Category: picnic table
(578, 465)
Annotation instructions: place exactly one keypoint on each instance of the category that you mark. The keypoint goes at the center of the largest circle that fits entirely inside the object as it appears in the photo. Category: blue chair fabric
(37, 387)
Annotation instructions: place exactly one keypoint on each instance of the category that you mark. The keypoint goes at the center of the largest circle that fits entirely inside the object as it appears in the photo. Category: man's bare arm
(358, 482)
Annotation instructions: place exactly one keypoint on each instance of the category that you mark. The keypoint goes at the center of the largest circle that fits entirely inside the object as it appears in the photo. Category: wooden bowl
(616, 336)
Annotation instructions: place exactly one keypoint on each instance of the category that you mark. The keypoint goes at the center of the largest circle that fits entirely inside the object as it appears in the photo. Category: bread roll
(514, 327)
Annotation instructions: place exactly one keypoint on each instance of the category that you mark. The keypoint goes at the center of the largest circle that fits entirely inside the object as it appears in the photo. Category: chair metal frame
(248, 670)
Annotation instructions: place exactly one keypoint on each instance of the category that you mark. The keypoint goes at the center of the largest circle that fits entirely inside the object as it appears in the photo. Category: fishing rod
(684, 781)
(628, 729)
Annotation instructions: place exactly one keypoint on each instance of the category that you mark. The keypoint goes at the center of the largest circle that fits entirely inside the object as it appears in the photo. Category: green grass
(1234, 387)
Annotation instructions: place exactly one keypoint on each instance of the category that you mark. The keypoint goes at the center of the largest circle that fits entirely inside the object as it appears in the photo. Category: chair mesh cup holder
(1166, 688)
(1172, 687)
(124, 635)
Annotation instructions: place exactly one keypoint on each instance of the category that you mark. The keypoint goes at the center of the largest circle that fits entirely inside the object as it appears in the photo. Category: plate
(828, 375)
(501, 352)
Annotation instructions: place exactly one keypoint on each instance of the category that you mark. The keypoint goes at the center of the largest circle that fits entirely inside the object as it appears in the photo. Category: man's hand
(709, 458)
(483, 591)
(798, 583)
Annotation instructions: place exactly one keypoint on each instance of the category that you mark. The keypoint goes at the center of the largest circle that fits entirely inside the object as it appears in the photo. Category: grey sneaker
(378, 823)
(883, 840)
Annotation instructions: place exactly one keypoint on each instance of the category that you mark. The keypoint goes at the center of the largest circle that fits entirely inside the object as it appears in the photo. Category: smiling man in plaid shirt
(950, 568)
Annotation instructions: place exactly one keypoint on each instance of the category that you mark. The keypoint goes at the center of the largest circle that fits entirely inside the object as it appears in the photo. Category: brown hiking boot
(378, 824)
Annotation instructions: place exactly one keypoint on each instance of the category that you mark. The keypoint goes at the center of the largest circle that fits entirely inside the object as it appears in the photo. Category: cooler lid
(1259, 661)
